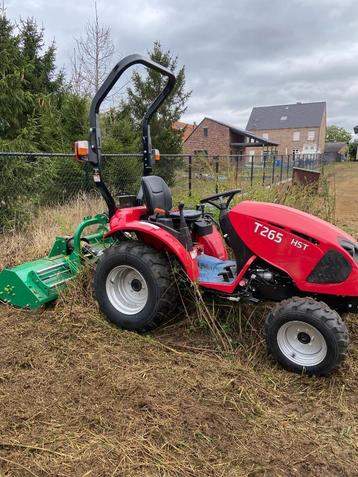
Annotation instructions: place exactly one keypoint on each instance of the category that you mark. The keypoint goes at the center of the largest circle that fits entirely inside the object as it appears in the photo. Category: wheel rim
(302, 343)
(127, 289)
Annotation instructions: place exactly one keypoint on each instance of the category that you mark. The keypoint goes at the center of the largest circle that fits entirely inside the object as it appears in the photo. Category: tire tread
(160, 268)
(321, 311)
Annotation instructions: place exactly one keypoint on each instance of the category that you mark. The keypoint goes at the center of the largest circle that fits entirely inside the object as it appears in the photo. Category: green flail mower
(35, 283)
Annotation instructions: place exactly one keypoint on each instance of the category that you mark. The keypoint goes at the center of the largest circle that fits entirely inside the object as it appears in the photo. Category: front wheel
(134, 286)
(306, 336)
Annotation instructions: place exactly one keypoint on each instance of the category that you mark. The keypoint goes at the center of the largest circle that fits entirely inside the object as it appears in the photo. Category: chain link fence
(29, 181)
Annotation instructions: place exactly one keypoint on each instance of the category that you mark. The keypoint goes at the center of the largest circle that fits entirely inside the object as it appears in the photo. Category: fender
(213, 244)
(159, 239)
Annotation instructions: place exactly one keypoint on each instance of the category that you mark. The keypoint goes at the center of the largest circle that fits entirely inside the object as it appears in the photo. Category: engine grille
(332, 268)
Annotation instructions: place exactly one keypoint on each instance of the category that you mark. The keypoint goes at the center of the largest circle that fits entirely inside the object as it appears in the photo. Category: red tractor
(263, 252)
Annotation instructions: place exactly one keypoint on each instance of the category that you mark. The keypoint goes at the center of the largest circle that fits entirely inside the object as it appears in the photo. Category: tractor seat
(157, 195)
(189, 215)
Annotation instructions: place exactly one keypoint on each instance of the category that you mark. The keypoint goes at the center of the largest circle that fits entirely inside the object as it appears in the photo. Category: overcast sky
(238, 53)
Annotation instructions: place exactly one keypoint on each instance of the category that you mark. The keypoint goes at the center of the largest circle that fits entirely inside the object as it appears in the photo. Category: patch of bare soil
(80, 397)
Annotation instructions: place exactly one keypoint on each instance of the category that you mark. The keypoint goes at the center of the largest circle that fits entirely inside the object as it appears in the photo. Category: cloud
(238, 53)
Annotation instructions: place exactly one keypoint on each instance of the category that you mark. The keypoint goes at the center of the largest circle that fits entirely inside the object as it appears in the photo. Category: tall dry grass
(35, 240)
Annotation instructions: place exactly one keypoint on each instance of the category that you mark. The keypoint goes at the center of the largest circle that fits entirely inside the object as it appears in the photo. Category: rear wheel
(134, 286)
(306, 336)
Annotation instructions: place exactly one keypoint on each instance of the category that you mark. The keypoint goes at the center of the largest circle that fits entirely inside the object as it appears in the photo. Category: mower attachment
(33, 284)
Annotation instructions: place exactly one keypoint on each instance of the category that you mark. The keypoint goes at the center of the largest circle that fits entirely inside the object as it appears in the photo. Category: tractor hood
(319, 257)
(294, 220)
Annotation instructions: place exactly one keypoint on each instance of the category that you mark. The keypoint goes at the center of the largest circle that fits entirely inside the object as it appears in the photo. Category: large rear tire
(134, 286)
(306, 336)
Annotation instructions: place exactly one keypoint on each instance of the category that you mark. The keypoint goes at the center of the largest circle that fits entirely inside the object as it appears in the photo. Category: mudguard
(213, 244)
(154, 236)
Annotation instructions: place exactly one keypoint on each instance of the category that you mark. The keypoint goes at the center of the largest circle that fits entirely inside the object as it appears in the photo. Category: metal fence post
(189, 174)
(88, 179)
(252, 171)
(288, 166)
(217, 158)
(264, 171)
(237, 170)
(273, 169)
(281, 168)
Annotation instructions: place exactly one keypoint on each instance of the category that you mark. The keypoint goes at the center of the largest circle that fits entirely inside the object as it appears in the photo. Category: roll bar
(95, 146)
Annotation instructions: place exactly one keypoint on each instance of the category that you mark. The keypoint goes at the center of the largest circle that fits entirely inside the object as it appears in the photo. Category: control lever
(185, 236)
(182, 222)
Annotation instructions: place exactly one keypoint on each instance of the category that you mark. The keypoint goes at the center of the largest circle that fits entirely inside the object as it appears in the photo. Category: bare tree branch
(92, 57)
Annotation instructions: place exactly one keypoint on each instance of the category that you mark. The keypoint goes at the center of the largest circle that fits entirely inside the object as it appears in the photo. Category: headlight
(350, 247)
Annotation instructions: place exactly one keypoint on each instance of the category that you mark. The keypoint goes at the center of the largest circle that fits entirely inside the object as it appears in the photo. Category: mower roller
(36, 283)
(258, 252)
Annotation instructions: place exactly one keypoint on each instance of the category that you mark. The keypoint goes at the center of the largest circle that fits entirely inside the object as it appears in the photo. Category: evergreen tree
(13, 96)
(144, 91)
(119, 132)
(120, 136)
(37, 112)
(41, 81)
(41, 76)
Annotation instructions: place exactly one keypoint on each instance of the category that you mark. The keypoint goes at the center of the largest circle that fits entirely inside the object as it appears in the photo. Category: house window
(200, 152)
(251, 156)
(283, 118)
(206, 132)
(265, 136)
(295, 152)
(296, 135)
(311, 135)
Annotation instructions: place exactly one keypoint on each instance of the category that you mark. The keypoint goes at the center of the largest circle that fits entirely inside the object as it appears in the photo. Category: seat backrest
(156, 194)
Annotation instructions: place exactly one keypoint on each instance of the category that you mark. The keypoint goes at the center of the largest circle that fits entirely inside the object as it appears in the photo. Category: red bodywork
(294, 254)
(130, 219)
(288, 239)
(213, 244)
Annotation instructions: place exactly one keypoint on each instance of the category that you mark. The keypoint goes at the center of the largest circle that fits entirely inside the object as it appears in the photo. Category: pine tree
(144, 91)
(37, 112)
(120, 136)
(13, 96)
(41, 80)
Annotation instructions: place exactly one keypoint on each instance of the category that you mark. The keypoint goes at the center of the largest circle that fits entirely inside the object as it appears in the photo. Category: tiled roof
(188, 128)
(299, 115)
(334, 146)
(245, 133)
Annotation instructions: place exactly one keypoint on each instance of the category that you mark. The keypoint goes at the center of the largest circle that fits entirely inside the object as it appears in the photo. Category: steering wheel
(221, 195)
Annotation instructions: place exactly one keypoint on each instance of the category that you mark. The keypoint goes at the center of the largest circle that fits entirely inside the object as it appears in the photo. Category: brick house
(215, 138)
(298, 128)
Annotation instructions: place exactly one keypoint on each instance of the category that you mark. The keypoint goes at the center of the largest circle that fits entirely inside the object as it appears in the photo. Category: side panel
(213, 244)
